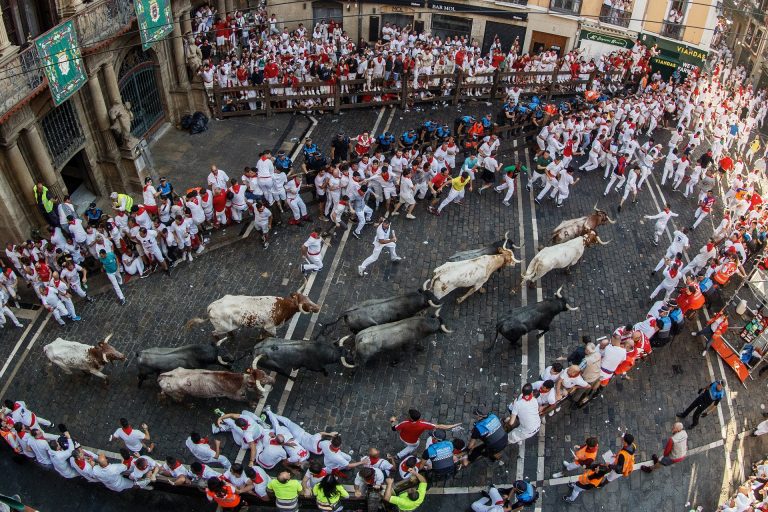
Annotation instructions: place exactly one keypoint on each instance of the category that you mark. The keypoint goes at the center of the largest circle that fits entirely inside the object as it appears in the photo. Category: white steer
(471, 273)
(71, 355)
(562, 255)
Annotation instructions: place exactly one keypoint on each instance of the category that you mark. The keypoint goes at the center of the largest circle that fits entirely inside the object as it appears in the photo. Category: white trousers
(409, 449)
(363, 216)
(7, 312)
(614, 178)
(314, 262)
(136, 267)
(454, 194)
(550, 185)
(700, 216)
(509, 185)
(669, 288)
(116, 279)
(487, 504)
(78, 289)
(297, 206)
(377, 248)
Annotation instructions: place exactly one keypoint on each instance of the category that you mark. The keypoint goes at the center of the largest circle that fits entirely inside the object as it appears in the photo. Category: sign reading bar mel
(449, 8)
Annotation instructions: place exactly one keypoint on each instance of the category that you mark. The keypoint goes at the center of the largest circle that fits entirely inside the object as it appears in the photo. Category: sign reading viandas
(62, 61)
(154, 19)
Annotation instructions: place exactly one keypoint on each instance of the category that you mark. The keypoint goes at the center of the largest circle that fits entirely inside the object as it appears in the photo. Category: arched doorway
(138, 85)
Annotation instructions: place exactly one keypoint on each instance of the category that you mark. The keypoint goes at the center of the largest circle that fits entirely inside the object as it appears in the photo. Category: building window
(25, 20)
(63, 133)
(756, 41)
(327, 11)
(139, 88)
(673, 22)
(450, 26)
(616, 12)
(566, 6)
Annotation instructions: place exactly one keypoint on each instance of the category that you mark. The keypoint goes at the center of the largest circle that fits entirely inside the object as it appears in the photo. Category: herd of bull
(378, 326)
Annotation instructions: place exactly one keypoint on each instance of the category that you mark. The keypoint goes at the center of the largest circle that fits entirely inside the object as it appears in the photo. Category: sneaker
(176, 263)
(528, 187)
(565, 463)
(409, 216)
(655, 244)
(398, 258)
(190, 257)
(537, 201)
(356, 235)
(215, 429)
(206, 240)
(551, 413)
(361, 271)
(122, 302)
(89, 299)
(559, 474)
(200, 249)
(266, 245)
(218, 412)
(393, 214)
(560, 205)
(505, 203)
(567, 499)
(267, 408)
(704, 354)
(679, 415)
(76, 318)
(693, 333)
(323, 218)
(495, 189)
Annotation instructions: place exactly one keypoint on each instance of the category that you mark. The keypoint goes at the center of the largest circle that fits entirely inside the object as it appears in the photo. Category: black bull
(192, 357)
(283, 356)
(383, 311)
(523, 320)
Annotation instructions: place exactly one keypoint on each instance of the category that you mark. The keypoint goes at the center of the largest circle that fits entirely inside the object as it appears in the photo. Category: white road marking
(18, 343)
(520, 469)
(25, 353)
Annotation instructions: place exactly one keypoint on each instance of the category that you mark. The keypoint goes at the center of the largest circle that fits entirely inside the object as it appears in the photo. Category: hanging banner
(62, 61)
(154, 19)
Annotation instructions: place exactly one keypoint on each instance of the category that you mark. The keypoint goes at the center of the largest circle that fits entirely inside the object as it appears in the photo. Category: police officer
(440, 455)
(339, 148)
(309, 147)
(385, 143)
(442, 133)
(708, 399)
(488, 437)
(523, 493)
(462, 123)
(283, 162)
(427, 131)
(408, 139)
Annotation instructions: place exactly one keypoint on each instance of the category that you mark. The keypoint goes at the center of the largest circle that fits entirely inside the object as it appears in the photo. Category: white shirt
(202, 451)
(382, 234)
(41, 450)
(265, 168)
(148, 195)
(270, 454)
(60, 461)
(612, 357)
(220, 180)
(333, 460)
(527, 412)
(132, 440)
(138, 474)
(313, 245)
(112, 478)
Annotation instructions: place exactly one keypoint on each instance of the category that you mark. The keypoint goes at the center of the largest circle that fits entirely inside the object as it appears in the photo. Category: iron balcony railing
(21, 76)
(618, 17)
(673, 30)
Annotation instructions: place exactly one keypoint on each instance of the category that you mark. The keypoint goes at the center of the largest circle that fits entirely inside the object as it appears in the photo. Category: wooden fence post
(495, 85)
(267, 100)
(336, 97)
(404, 91)
(459, 83)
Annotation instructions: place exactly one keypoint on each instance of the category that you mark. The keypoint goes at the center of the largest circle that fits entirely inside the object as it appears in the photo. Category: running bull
(392, 337)
(523, 320)
(562, 255)
(242, 387)
(489, 249)
(158, 360)
(382, 311)
(570, 229)
(71, 355)
(467, 274)
(232, 312)
(283, 356)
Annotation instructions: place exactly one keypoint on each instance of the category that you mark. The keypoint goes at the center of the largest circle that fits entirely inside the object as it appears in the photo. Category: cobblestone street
(447, 374)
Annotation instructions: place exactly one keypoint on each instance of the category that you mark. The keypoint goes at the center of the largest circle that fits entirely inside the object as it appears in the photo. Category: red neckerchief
(127, 430)
(334, 449)
(128, 462)
(374, 460)
(528, 398)
(203, 440)
(80, 463)
(16, 406)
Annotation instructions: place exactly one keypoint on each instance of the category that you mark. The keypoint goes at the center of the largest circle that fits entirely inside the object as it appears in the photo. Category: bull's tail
(327, 326)
(195, 321)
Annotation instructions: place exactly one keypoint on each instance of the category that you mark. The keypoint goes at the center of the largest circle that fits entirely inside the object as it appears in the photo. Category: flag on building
(62, 61)
(154, 19)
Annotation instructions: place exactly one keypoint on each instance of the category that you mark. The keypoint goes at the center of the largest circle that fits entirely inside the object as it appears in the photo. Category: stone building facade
(72, 148)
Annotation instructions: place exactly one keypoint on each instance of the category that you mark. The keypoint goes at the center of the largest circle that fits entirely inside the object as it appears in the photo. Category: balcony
(22, 76)
(572, 7)
(672, 30)
(618, 17)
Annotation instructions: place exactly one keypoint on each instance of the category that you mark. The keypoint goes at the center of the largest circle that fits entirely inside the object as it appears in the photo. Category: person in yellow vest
(46, 204)
(328, 492)
(624, 461)
(754, 147)
(410, 499)
(121, 202)
(592, 478)
(456, 193)
(223, 494)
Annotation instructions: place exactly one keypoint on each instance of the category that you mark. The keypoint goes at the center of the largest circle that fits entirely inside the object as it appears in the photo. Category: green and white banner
(62, 61)
(155, 20)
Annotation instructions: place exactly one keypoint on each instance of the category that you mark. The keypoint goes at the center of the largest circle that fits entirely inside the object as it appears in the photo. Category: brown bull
(572, 228)
(242, 387)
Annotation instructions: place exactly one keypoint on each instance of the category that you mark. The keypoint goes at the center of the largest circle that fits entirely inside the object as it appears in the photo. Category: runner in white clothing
(310, 442)
(311, 251)
(208, 452)
(385, 238)
(662, 218)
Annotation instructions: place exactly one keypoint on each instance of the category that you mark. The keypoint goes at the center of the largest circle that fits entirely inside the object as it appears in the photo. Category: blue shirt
(109, 262)
(443, 132)
(308, 149)
(164, 189)
(408, 139)
(386, 140)
(714, 394)
(94, 214)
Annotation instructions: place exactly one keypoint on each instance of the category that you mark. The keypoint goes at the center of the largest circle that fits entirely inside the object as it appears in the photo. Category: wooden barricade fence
(336, 95)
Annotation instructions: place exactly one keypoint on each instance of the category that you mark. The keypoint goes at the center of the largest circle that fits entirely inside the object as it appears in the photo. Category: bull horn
(601, 242)
(109, 337)
(342, 340)
(222, 340)
(303, 285)
(437, 313)
(424, 286)
(221, 361)
(445, 329)
(611, 221)
(515, 260)
(504, 246)
(557, 293)
(255, 364)
(259, 386)
(595, 207)
(104, 357)
(571, 308)
(345, 363)
(433, 304)
(518, 247)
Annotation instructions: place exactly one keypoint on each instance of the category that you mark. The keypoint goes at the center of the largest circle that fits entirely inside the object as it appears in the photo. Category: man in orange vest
(223, 494)
(718, 324)
(584, 456)
(724, 272)
(591, 478)
(624, 461)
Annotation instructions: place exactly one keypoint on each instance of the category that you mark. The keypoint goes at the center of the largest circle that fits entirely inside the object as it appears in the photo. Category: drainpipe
(359, 20)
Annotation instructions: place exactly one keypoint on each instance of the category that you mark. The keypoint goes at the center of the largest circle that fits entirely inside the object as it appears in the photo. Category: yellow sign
(684, 50)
